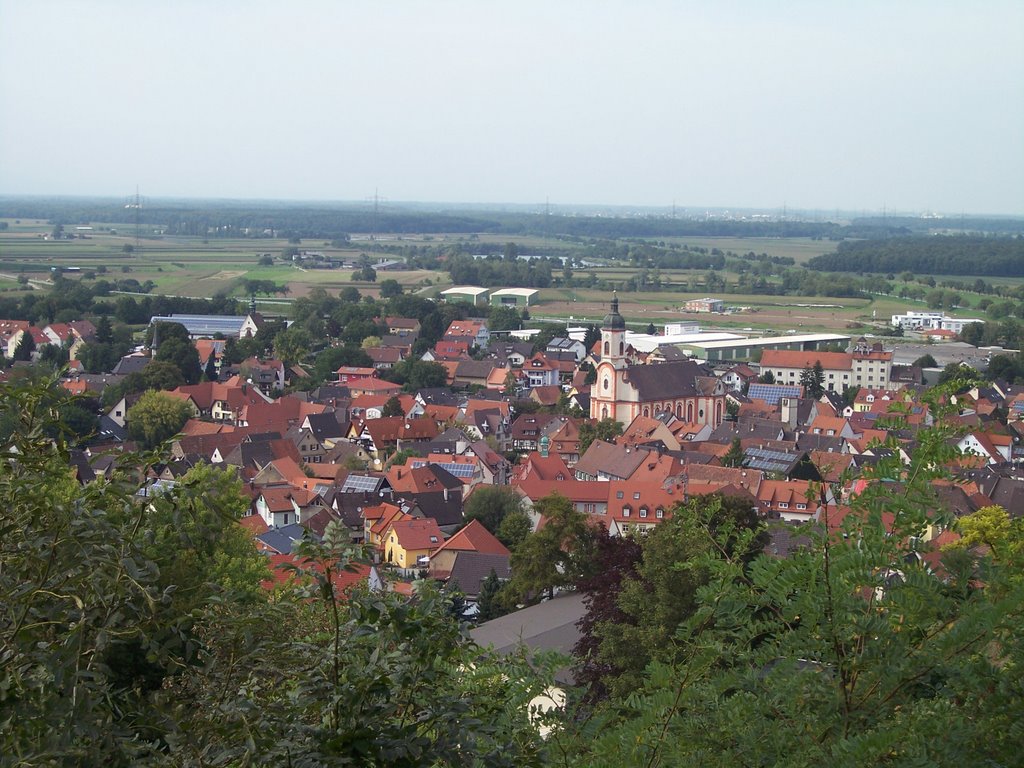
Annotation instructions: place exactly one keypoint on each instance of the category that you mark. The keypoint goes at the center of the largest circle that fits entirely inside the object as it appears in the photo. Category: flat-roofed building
(748, 349)
(705, 305)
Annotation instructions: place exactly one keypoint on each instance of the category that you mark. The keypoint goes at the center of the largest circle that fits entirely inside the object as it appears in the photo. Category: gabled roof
(610, 459)
(465, 329)
(429, 478)
(550, 467)
(446, 512)
(281, 540)
(343, 581)
(417, 534)
(670, 381)
(788, 358)
(391, 429)
(475, 538)
(470, 569)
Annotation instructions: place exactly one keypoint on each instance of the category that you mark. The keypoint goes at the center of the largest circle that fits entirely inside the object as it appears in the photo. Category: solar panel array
(456, 470)
(772, 393)
(360, 484)
(768, 460)
(205, 325)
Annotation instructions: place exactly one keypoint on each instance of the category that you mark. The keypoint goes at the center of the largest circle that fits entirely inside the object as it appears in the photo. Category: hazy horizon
(859, 107)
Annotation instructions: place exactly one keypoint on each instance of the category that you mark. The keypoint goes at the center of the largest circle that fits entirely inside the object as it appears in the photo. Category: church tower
(613, 337)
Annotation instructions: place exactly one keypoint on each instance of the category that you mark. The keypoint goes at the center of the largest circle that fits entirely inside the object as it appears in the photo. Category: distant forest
(215, 219)
(936, 255)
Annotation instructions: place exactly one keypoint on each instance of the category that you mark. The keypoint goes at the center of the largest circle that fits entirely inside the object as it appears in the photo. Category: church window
(607, 384)
(679, 410)
(621, 349)
(607, 347)
(647, 411)
(700, 414)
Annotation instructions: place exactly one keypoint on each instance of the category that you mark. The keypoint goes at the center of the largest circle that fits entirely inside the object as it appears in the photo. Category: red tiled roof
(343, 581)
(788, 358)
(254, 524)
(474, 538)
(417, 534)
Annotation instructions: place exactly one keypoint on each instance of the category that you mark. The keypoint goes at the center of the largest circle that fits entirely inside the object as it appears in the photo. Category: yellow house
(406, 541)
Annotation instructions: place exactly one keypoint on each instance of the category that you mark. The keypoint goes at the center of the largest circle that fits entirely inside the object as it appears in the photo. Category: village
(625, 426)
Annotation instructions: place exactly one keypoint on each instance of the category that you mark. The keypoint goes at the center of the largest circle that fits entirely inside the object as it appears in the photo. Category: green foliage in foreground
(134, 632)
(852, 652)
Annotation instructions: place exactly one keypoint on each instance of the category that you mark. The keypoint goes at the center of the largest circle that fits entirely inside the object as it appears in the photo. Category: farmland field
(192, 266)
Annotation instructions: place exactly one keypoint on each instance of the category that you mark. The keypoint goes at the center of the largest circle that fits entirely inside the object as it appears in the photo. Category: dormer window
(626, 511)
(659, 513)
(643, 511)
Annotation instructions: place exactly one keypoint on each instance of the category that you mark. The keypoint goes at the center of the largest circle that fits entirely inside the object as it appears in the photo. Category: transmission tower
(376, 200)
(134, 204)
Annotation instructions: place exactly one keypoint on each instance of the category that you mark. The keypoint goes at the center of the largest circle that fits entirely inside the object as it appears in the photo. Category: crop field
(800, 249)
(758, 312)
(191, 266)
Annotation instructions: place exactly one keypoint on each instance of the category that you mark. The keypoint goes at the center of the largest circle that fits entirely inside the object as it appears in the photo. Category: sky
(908, 106)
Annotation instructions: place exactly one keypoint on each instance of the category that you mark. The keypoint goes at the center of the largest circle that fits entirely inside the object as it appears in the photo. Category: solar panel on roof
(772, 393)
(456, 470)
(360, 483)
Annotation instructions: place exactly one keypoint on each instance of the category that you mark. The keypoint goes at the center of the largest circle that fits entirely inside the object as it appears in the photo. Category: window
(659, 513)
(783, 505)
(801, 506)
(636, 494)
(626, 511)
(607, 347)
(433, 539)
(286, 518)
(618, 494)
(607, 383)
(643, 511)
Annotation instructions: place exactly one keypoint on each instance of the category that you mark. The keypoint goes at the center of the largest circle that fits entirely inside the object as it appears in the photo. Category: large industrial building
(751, 348)
(469, 293)
(514, 297)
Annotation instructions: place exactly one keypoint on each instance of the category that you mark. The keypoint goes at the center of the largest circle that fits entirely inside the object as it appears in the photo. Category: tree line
(938, 255)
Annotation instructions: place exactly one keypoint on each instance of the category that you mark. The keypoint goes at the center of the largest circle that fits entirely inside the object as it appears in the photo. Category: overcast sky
(915, 106)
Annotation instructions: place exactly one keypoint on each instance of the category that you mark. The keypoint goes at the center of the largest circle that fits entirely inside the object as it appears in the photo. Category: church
(623, 391)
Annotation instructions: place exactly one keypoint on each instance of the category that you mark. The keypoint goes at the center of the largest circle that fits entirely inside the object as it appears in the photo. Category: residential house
(562, 344)
(409, 543)
(473, 331)
(608, 461)
(793, 500)
(474, 537)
